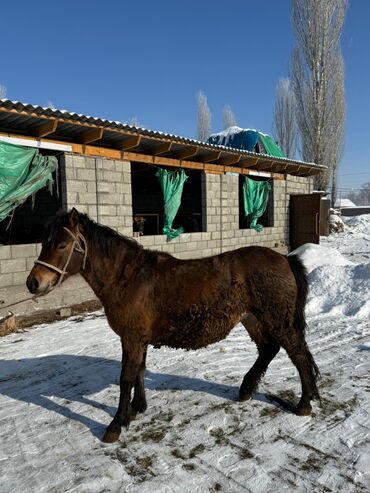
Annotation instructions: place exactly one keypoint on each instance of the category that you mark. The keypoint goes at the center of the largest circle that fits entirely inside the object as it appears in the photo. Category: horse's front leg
(130, 368)
(138, 404)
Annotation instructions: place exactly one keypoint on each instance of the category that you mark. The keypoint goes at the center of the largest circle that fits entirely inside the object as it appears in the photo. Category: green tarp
(255, 195)
(172, 184)
(271, 147)
(23, 171)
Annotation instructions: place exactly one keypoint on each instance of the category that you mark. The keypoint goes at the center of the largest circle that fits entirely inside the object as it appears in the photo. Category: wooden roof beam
(189, 151)
(92, 135)
(265, 165)
(281, 167)
(313, 172)
(230, 159)
(248, 162)
(212, 156)
(130, 143)
(46, 128)
(293, 170)
(162, 148)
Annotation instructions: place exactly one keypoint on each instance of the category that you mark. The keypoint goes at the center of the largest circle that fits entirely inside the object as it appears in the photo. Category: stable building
(109, 170)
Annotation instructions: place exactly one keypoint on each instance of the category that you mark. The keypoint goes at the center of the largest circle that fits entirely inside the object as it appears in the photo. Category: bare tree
(317, 78)
(134, 121)
(285, 125)
(361, 196)
(228, 118)
(2, 92)
(204, 117)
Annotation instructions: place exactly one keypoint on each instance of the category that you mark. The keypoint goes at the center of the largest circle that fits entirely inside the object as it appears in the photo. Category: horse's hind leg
(297, 349)
(138, 404)
(267, 350)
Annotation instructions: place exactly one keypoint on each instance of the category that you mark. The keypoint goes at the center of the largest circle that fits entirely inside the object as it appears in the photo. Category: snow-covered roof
(344, 203)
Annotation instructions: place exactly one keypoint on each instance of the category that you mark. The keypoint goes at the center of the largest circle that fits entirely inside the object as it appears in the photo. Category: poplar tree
(204, 117)
(285, 125)
(228, 118)
(317, 78)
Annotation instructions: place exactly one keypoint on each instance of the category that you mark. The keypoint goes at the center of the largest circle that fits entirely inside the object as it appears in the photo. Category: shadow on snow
(71, 377)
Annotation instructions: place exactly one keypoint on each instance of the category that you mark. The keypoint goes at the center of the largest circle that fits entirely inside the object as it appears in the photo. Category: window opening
(26, 224)
(267, 219)
(147, 201)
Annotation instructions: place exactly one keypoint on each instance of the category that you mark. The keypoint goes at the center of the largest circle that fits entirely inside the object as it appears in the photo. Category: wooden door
(304, 219)
(324, 217)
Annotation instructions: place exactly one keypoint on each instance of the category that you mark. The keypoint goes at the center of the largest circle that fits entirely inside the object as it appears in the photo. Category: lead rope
(33, 298)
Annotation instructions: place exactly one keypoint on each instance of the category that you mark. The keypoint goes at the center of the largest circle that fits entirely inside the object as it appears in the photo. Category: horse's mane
(103, 238)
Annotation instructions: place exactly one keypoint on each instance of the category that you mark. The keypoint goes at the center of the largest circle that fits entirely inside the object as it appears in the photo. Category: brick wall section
(102, 188)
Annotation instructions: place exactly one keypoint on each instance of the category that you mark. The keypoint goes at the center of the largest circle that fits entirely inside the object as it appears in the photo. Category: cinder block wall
(102, 188)
(221, 210)
(16, 261)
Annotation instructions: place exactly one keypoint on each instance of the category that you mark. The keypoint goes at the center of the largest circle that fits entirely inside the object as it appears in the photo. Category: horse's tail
(300, 274)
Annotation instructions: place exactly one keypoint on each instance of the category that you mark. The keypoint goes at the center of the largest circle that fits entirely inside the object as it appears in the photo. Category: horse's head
(63, 253)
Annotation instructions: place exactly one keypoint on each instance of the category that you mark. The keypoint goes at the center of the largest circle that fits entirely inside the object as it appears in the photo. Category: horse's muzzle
(35, 287)
(32, 284)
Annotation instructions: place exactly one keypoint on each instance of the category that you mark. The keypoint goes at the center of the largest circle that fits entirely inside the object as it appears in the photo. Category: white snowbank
(338, 289)
(314, 256)
(333, 280)
(358, 224)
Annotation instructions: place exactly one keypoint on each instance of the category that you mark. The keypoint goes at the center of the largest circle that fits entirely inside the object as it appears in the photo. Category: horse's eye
(61, 246)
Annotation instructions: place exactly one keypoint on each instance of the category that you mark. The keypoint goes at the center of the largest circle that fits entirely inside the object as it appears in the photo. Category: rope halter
(79, 245)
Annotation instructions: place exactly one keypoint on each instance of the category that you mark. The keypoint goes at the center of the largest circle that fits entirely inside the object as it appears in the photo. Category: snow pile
(314, 256)
(333, 279)
(359, 225)
(230, 131)
(332, 290)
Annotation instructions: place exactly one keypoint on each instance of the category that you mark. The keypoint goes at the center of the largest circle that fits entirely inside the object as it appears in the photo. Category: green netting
(172, 184)
(255, 195)
(23, 171)
(270, 145)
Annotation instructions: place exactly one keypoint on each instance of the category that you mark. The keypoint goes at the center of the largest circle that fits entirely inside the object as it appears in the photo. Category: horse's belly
(195, 336)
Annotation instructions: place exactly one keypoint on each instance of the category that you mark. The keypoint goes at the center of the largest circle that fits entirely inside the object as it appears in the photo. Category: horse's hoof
(303, 411)
(244, 395)
(111, 436)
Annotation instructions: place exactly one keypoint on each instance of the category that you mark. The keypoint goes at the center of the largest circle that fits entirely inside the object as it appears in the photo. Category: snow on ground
(59, 389)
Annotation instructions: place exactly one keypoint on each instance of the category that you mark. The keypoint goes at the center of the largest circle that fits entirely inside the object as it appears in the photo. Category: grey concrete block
(6, 280)
(86, 198)
(86, 174)
(11, 266)
(19, 278)
(107, 210)
(5, 252)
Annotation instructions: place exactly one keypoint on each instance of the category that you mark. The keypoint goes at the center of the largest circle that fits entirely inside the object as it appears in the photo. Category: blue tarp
(235, 137)
(246, 139)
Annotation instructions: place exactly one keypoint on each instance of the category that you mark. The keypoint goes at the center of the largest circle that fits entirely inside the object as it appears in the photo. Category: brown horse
(154, 298)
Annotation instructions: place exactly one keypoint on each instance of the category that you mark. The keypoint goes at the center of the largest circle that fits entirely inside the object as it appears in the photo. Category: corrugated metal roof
(26, 119)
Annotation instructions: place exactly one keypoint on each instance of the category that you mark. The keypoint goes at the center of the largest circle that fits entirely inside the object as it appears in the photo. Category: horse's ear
(73, 218)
